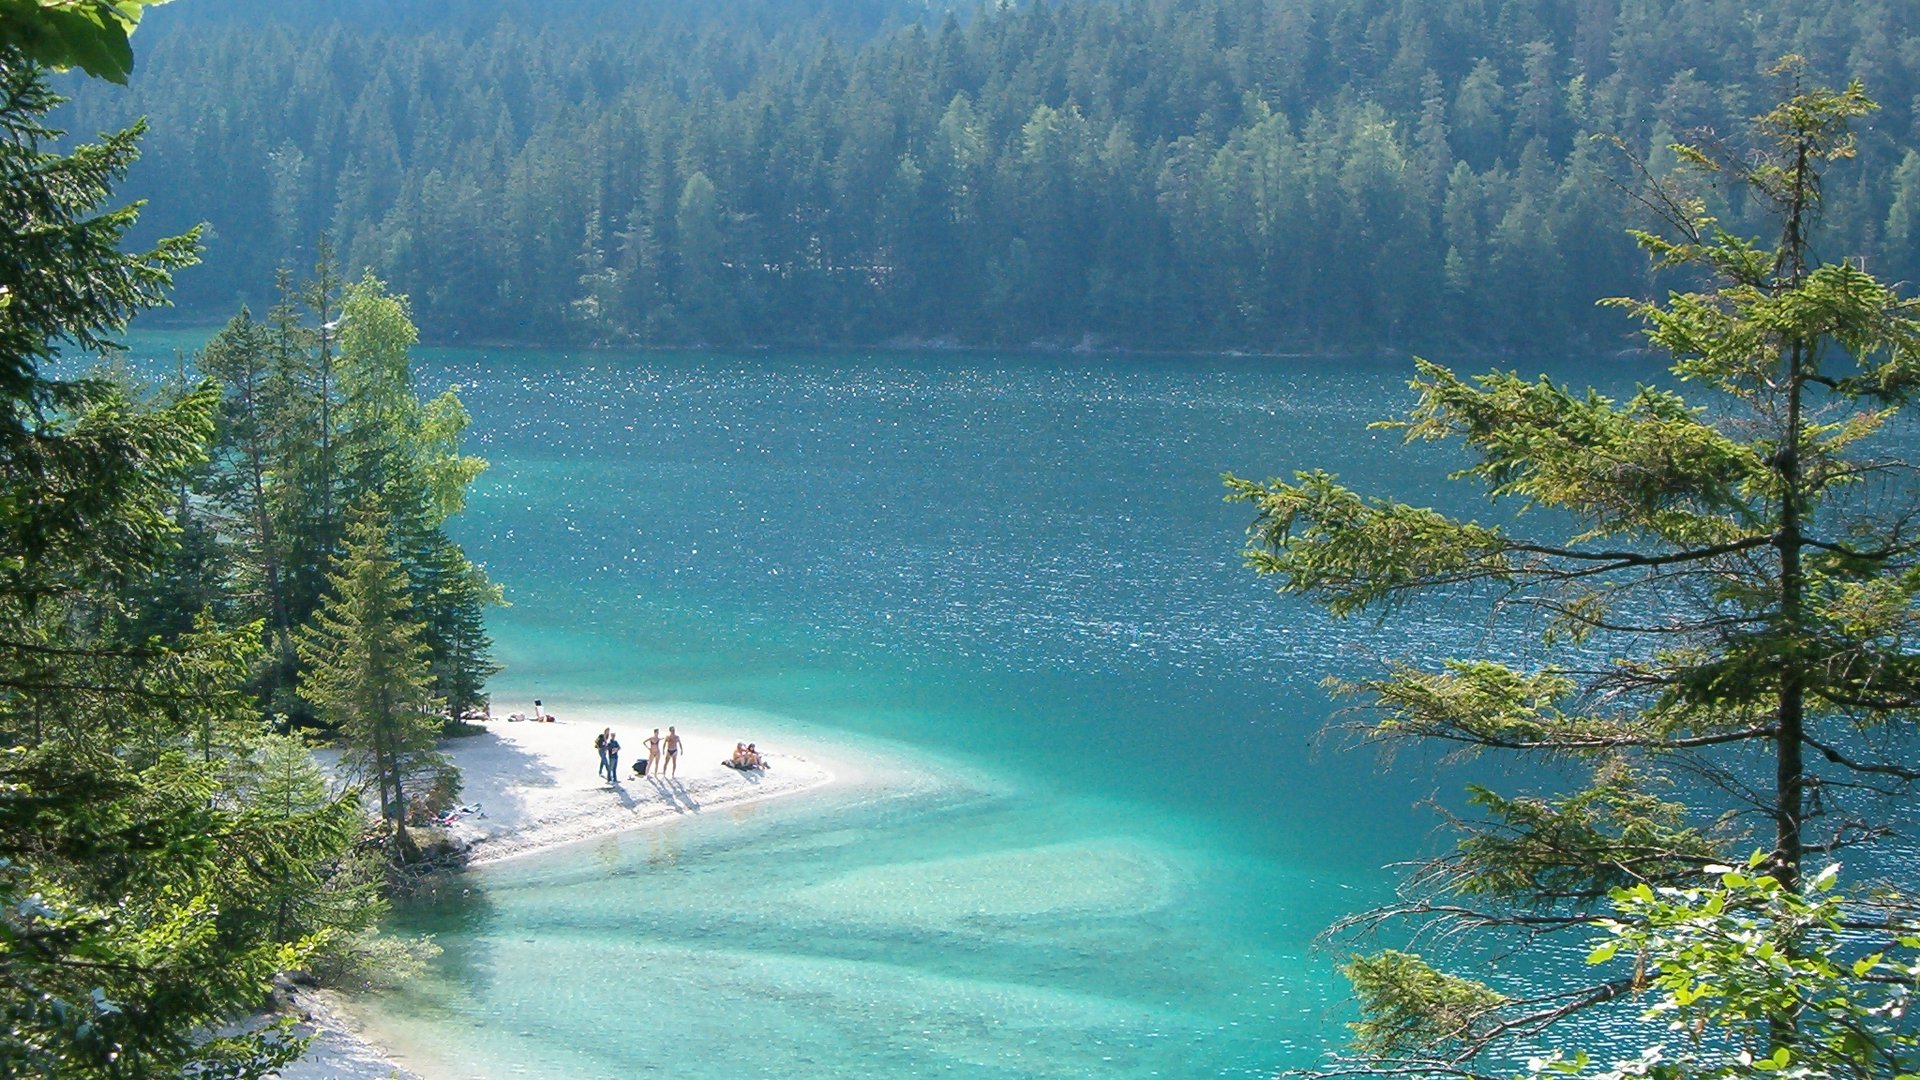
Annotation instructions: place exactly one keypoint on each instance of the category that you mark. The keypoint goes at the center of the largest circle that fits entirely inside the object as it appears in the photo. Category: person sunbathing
(745, 758)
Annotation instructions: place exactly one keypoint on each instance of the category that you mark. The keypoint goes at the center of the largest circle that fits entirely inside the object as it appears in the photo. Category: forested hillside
(1159, 173)
(469, 17)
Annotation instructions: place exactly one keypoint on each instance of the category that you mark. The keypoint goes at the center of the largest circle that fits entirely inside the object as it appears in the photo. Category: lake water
(1015, 577)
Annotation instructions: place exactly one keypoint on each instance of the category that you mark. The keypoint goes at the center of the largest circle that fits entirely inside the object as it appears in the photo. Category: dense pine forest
(1271, 174)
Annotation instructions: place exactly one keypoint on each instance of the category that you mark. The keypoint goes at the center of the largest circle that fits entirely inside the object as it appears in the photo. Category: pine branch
(1533, 1023)
(93, 653)
(1424, 1067)
(1833, 755)
(1622, 560)
(1568, 744)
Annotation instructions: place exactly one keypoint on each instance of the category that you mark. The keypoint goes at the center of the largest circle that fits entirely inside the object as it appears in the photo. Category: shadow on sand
(675, 793)
(525, 769)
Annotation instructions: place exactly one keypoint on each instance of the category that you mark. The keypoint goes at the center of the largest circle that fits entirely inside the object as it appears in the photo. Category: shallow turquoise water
(1021, 565)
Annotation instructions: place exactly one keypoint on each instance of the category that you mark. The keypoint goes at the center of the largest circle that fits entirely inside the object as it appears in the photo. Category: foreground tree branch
(1757, 605)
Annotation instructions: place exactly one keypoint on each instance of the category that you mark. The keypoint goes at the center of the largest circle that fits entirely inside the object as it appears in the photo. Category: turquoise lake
(1011, 575)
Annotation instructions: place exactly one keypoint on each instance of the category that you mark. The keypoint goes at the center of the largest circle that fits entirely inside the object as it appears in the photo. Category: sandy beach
(534, 786)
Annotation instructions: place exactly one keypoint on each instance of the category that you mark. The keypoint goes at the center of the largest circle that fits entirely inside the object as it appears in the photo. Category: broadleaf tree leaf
(91, 35)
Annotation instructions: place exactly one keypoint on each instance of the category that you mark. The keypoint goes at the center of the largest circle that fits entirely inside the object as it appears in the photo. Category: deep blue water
(1018, 565)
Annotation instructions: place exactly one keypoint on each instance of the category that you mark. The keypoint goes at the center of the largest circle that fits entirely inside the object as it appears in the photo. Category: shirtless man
(653, 754)
(672, 748)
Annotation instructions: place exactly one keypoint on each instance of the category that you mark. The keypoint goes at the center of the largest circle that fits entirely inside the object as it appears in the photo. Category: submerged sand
(535, 786)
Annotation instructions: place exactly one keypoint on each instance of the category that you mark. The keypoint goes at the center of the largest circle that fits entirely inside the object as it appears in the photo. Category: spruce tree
(367, 674)
(287, 795)
(124, 864)
(403, 455)
(331, 901)
(1746, 558)
(318, 416)
(249, 472)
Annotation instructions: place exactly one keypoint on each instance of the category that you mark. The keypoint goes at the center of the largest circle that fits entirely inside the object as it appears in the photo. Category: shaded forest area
(1271, 174)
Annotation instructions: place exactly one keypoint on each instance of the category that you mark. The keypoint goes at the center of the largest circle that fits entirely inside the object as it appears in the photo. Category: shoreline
(1086, 347)
(533, 788)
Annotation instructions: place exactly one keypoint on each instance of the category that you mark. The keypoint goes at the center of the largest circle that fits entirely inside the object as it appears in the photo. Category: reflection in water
(605, 851)
(662, 849)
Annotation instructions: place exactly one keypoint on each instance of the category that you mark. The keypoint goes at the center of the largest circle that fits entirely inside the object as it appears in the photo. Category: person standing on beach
(613, 757)
(672, 762)
(653, 754)
(600, 744)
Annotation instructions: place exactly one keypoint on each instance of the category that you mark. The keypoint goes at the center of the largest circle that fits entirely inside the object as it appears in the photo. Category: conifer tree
(285, 794)
(450, 598)
(247, 446)
(1748, 561)
(330, 902)
(457, 629)
(312, 417)
(367, 674)
(304, 446)
(123, 863)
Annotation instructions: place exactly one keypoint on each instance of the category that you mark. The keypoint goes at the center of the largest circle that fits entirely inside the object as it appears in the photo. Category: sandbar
(534, 786)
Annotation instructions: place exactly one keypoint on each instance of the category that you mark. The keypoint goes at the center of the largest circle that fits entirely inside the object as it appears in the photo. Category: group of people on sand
(663, 755)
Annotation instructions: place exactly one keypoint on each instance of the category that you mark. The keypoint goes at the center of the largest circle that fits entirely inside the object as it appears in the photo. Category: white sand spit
(535, 785)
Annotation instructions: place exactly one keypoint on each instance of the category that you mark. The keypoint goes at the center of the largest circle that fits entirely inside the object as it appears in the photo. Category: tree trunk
(1789, 789)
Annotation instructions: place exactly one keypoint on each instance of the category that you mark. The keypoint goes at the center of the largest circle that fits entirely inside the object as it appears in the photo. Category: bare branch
(1622, 560)
(1884, 768)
